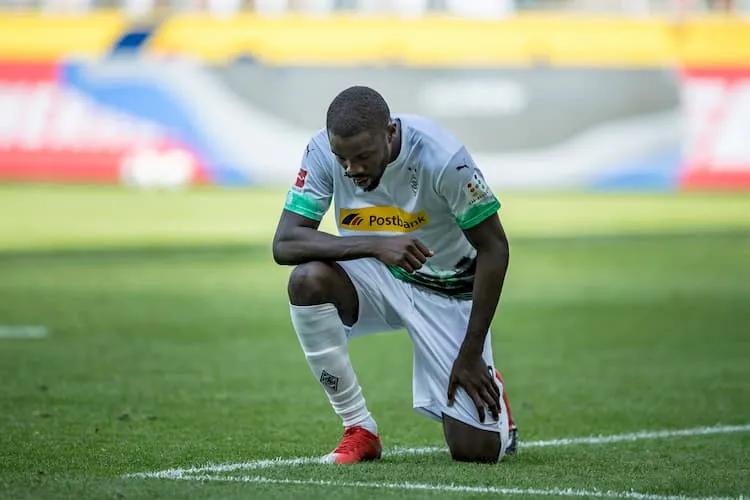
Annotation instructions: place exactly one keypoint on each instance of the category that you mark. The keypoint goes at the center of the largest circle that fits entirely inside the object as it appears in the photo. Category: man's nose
(353, 168)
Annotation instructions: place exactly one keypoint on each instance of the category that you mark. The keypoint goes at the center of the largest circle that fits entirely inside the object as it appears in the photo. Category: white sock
(321, 334)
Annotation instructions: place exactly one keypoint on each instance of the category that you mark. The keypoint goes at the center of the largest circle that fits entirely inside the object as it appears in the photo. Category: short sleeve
(462, 185)
(310, 195)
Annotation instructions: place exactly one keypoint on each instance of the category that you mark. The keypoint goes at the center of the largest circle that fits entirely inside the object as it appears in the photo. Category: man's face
(364, 156)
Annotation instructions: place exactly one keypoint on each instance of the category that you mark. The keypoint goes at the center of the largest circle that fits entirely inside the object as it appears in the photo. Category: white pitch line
(452, 488)
(179, 473)
(637, 436)
(22, 332)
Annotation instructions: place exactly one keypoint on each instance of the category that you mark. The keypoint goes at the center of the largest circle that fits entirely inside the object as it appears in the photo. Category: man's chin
(371, 186)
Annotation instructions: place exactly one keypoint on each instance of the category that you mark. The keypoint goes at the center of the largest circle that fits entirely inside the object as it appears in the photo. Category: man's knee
(311, 283)
(486, 450)
(469, 444)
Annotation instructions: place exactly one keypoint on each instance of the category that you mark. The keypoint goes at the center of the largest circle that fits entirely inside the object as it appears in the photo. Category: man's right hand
(401, 251)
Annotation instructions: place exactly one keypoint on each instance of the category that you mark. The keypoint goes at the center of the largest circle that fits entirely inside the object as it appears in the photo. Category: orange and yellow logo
(387, 219)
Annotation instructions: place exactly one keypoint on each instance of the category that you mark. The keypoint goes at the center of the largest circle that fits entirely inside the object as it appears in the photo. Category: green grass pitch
(169, 345)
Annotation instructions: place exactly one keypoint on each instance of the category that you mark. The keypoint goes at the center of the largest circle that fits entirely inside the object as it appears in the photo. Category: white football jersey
(432, 192)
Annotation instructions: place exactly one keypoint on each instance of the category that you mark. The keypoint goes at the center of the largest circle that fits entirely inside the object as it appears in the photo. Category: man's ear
(392, 129)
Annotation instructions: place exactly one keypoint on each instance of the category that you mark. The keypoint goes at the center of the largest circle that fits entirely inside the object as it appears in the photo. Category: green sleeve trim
(305, 206)
(476, 214)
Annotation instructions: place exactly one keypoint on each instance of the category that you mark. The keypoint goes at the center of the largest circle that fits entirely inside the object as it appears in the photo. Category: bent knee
(469, 444)
(320, 282)
(311, 283)
(484, 451)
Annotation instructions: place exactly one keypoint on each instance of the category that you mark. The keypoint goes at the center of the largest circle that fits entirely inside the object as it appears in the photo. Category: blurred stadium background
(547, 94)
(145, 150)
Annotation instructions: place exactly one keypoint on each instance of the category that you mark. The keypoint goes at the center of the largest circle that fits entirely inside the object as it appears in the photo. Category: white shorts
(437, 327)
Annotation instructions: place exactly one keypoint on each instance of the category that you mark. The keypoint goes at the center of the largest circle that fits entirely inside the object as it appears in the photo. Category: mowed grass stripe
(43, 216)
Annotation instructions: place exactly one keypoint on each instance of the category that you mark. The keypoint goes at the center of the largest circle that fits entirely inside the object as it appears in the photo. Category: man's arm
(493, 254)
(475, 207)
(469, 370)
(297, 240)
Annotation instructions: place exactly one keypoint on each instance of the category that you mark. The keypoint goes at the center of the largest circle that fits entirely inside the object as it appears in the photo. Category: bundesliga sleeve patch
(301, 176)
(476, 189)
(479, 203)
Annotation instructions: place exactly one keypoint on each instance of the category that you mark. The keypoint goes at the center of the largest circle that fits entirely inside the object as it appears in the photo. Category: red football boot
(357, 445)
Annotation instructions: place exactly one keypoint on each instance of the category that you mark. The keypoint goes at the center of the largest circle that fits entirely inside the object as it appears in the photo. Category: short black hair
(357, 109)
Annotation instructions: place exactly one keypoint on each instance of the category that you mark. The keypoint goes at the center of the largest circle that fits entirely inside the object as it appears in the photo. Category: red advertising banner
(51, 132)
(717, 142)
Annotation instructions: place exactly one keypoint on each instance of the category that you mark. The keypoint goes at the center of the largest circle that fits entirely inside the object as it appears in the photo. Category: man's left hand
(471, 372)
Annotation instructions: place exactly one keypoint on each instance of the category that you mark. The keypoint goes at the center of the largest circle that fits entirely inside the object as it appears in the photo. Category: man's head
(361, 134)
